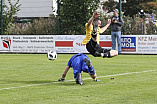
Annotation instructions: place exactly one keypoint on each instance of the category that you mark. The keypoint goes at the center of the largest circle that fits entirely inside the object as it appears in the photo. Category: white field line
(82, 79)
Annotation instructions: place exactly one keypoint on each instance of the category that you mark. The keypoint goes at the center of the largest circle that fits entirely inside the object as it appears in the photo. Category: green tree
(110, 5)
(130, 7)
(8, 14)
(149, 7)
(75, 13)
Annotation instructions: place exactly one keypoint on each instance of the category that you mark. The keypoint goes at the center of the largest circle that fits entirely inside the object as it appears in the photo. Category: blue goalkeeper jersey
(78, 64)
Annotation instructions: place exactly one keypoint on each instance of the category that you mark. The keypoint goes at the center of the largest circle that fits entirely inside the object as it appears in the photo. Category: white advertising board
(69, 44)
(131, 44)
(147, 44)
(26, 43)
(72, 43)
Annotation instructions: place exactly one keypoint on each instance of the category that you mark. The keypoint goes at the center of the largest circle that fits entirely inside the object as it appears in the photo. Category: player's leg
(106, 52)
(90, 48)
(101, 52)
(96, 51)
(76, 65)
(119, 41)
(110, 54)
(113, 53)
(79, 79)
(88, 63)
(113, 37)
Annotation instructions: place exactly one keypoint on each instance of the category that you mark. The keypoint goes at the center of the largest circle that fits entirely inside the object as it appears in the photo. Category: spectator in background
(116, 26)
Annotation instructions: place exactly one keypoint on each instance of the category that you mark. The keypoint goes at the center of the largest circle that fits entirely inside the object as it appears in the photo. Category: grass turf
(31, 79)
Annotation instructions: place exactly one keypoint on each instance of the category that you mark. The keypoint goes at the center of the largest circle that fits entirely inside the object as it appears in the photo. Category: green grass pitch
(32, 79)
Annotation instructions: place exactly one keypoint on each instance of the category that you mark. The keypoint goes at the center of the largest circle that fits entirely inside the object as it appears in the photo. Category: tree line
(75, 13)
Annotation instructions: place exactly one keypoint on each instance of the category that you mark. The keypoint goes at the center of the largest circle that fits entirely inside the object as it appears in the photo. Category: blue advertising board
(128, 44)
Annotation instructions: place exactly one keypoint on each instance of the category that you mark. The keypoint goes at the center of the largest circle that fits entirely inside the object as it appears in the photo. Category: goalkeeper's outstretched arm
(64, 74)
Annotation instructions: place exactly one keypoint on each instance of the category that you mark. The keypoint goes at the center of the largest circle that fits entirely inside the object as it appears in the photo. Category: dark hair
(96, 19)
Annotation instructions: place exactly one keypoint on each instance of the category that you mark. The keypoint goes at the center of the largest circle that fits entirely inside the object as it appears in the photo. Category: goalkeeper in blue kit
(79, 62)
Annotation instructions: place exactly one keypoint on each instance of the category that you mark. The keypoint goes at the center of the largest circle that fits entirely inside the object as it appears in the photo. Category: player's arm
(95, 15)
(64, 73)
(93, 76)
(105, 27)
(92, 73)
(120, 22)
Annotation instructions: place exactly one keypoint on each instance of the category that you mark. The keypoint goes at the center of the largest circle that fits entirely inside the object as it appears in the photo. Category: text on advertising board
(128, 44)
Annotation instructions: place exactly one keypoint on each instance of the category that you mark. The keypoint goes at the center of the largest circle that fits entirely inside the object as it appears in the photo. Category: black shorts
(92, 47)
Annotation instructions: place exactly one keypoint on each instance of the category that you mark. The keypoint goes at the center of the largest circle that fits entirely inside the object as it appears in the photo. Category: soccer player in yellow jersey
(92, 37)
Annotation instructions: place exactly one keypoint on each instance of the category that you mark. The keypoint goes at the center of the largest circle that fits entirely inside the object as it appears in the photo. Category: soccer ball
(52, 55)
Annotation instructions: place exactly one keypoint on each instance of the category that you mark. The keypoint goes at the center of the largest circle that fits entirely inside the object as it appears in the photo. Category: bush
(133, 26)
(38, 27)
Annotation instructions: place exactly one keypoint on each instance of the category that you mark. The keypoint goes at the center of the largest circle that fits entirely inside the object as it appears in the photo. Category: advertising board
(26, 43)
(131, 44)
(72, 43)
(146, 44)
